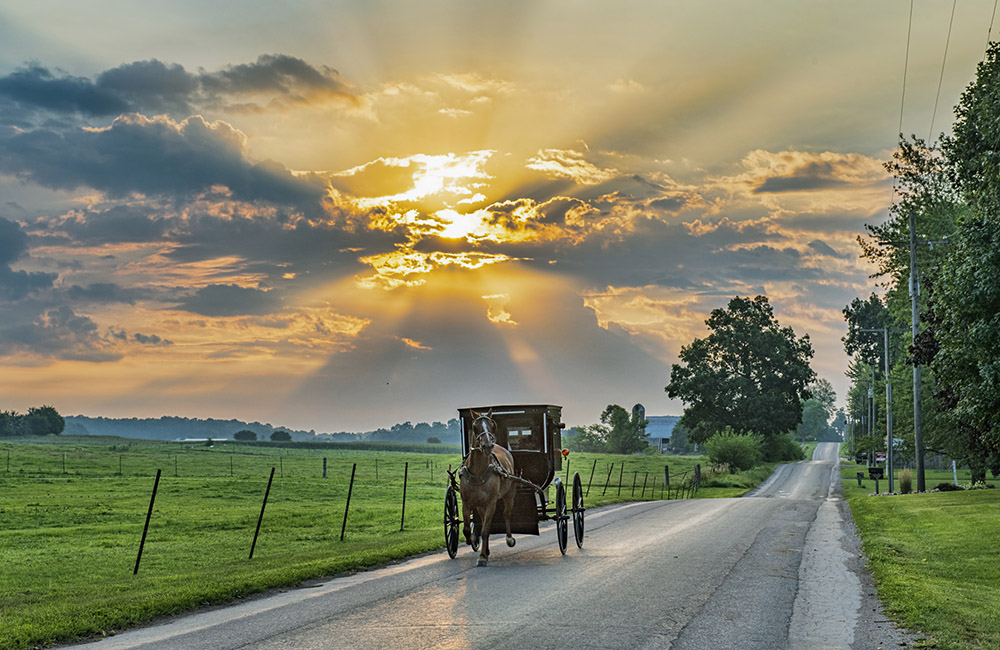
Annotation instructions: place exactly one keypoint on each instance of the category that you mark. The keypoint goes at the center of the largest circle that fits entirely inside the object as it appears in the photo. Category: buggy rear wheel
(451, 522)
(578, 510)
(561, 516)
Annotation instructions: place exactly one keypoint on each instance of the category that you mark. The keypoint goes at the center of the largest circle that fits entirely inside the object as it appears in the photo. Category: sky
(339, 215)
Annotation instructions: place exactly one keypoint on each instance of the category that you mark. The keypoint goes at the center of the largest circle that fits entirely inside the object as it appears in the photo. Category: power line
(989, 32)
(941, 78)
(902, 97)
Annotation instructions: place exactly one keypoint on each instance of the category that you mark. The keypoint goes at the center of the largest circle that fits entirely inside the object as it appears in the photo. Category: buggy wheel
(578, 510)
(561, 517)
(451, 522)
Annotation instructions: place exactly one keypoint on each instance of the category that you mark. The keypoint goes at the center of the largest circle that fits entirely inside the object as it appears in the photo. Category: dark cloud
(116, 224)
(151, 339)
(230, 300)
(36, 87)
(822, 248)
(813, 176)
(671, 204)
(52, 332)
(276, 73)
(15, 285)
(153, 157)
(153, 86)
(102, 292)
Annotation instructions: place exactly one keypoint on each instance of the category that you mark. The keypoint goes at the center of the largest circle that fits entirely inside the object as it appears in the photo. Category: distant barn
(660, 428)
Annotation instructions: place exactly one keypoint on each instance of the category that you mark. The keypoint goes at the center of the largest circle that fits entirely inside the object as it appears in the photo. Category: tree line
(951, 193)
(38, 421)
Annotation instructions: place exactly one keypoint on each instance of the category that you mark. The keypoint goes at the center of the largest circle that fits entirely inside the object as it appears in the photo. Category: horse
(484, 481)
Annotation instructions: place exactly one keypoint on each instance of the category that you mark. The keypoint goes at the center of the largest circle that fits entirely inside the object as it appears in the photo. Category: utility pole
(918, 419)
(888, 403)
(918, 416)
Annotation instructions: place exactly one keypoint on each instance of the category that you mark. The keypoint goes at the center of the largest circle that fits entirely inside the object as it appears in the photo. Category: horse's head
(484, 431)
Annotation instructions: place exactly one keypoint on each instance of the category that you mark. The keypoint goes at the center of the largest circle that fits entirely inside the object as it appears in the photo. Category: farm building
(660, 428)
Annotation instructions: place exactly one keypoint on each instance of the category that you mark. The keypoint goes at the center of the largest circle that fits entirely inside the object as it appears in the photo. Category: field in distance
(72, 511)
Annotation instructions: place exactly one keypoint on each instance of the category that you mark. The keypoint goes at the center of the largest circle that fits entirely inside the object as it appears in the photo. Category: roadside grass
(933, 556)
(72, 511)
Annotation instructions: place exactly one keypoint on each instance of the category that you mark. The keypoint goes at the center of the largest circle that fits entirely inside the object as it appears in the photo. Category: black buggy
(533, 434)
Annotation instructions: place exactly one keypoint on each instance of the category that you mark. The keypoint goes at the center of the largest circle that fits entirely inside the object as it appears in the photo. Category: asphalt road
(777, 569)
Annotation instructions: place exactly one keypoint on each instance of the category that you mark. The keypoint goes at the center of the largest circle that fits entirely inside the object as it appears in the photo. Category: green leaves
(749, 374)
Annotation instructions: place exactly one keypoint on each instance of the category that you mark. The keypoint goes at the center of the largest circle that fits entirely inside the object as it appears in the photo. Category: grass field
(934, 558)
(72, 511)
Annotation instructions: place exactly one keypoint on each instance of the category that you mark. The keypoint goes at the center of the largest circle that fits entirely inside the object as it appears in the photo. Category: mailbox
(875, 473)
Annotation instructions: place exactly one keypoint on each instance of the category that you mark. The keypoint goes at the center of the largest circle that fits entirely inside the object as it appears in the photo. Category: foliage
(738, 452)
(433, 440)
(245, 434)
(863, 315)
(618, 432)
(748, 374)
(782, 449)
(281, 436)
(38, 421)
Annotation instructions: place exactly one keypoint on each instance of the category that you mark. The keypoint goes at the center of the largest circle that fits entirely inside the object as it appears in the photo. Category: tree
(245, 435)
(592, 438)
(738, 452)
(626, 431)
(8, 423)
(433, 440)
(618, 432)
(748, 374)
(280, 435)
(815, 423)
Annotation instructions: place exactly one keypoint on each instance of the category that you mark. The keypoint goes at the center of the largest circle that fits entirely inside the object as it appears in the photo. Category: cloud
(570, 164)
(52, 332)
(152, 86)
(153, 156)
(102, 292)
(36, 86)
(15, 285)
(230, 300)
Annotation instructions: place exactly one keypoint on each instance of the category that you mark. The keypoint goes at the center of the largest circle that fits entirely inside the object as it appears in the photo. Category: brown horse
(483, 484)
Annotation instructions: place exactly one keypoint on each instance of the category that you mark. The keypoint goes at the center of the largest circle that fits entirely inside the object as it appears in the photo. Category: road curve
(776, 569)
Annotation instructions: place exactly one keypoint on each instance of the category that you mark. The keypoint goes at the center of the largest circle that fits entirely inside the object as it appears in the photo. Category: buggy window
(523, 436)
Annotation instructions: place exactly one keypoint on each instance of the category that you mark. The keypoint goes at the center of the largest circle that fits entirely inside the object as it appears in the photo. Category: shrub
(948, 487)
(738, 452)
(905, 482)
(433, 440)
(782, 449)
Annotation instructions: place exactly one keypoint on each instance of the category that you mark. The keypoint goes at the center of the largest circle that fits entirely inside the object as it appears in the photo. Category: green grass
(934, 558)
(72, 511)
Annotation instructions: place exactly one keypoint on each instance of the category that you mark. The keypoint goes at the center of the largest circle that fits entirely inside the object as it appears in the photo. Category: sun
(458, 225)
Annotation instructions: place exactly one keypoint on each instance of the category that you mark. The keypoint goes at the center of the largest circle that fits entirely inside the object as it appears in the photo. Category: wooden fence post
(350, 488)
(145, 529)
(261, 518)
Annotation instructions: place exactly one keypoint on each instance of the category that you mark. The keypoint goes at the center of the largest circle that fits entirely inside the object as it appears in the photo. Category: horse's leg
(508, 512)
(466, 530)
(487, 519)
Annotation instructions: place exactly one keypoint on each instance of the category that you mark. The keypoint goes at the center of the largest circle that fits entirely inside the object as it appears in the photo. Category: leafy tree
(592, 438)
(814, 425)
(245, 435)
(280, 435)
(739, 452)
(626, 431)
(748, 374)
(8, 423)
(433, 441)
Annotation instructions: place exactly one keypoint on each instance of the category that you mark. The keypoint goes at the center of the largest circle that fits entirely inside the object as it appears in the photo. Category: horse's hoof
(482, 562)
(511, 542)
